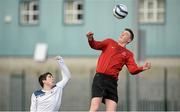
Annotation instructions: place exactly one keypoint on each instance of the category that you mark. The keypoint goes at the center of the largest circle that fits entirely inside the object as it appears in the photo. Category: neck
(47, 88)
(122, 44)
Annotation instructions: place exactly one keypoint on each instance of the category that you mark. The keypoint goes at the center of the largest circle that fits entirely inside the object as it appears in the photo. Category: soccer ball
(120, 11)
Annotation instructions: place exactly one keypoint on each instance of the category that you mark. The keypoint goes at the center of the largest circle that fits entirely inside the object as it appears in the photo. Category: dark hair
(43, 77)
(131, 32)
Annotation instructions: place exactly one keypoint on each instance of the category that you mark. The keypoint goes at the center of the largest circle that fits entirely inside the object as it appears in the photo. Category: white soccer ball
(120, 11)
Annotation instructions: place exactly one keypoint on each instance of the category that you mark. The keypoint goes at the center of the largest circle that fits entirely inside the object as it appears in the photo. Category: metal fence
(157, 90)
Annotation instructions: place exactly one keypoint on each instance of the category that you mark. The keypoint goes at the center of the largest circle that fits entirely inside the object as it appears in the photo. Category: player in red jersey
(113, 57)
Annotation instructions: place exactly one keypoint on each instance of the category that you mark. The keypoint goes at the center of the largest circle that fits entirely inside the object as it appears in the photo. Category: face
(49, 81)
(125, 37)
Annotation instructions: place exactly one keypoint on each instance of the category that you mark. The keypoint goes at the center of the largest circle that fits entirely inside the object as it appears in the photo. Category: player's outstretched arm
(66, 75)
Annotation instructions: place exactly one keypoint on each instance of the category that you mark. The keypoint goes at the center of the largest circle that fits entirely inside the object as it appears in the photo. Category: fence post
(127, 91)
(165, 89)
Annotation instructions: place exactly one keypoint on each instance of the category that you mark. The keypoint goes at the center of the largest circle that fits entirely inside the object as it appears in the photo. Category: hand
(146, 66)
(90, 35)
(59, 58)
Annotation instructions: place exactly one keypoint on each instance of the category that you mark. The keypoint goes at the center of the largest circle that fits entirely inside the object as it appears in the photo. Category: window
(151, 11)
(29, 12)
(73, 12)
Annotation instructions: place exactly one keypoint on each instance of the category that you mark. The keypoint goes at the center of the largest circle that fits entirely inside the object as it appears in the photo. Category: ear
(43, 81)
(129, 40)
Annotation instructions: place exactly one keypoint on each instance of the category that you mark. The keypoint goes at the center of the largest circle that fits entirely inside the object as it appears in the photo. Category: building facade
(59, 27)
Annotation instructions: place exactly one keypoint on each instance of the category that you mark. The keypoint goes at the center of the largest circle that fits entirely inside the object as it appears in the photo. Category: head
(46, 79)
(126, 36)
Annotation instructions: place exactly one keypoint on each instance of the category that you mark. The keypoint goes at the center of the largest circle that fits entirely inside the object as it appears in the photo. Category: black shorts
(104, 86)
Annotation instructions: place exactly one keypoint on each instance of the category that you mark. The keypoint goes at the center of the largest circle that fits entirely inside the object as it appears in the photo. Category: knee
(94, 108)
(95, 102)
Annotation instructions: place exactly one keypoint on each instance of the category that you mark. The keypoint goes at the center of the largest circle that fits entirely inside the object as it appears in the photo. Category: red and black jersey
(113, 58)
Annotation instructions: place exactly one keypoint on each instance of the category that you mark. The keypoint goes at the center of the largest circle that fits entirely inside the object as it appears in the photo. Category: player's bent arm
(33, 106)
(132, 66)
(98, 45)
(66, 75)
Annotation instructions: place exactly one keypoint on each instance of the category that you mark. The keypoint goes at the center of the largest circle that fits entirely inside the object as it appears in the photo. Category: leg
(110, 105)
(95, 102)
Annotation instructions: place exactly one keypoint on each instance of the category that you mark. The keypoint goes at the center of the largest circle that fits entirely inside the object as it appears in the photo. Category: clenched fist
(90, 35)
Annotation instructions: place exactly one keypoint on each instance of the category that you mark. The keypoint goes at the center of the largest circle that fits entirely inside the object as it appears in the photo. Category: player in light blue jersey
(49, 97)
